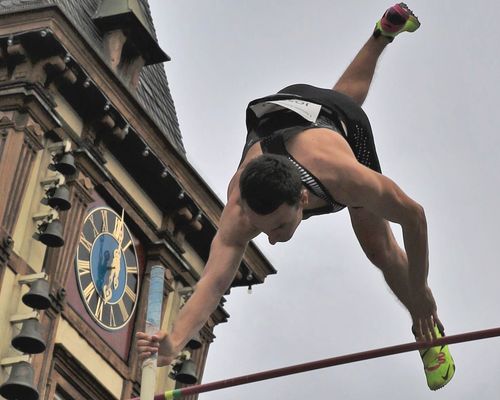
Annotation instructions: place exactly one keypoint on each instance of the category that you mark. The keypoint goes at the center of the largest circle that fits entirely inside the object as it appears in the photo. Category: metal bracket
(46, 216)
(21, 279)
(18, 318)
(65, 145)
(8, 361)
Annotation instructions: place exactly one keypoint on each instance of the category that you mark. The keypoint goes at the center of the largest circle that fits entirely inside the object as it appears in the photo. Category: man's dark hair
(268, 181)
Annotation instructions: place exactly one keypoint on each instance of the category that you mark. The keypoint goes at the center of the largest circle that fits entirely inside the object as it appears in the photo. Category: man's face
(280, 225)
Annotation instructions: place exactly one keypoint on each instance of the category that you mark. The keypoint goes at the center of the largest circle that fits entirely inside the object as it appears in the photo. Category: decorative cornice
(28, 98)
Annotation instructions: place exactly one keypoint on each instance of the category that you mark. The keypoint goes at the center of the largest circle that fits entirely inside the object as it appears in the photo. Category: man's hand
(160, 343)
(424, 314)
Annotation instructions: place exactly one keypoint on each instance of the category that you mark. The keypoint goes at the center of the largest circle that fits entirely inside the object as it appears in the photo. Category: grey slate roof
(153, 91)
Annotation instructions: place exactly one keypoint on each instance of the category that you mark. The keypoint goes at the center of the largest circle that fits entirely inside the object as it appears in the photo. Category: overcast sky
(434, 112)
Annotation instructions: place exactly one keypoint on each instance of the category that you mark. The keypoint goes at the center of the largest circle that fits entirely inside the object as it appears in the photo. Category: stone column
(16, 163)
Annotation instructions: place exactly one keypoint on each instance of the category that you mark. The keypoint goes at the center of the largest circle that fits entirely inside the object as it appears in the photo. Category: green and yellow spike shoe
(398, 18)
(439, 366)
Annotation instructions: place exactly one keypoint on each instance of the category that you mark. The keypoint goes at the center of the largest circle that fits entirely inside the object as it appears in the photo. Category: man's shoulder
(234, 223)
(322, 151)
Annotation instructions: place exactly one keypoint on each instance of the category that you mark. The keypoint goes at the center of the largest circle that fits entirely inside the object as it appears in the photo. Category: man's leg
(356, 80)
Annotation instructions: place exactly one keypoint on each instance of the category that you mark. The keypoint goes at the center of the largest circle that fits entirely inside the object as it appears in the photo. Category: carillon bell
(58, 198)
(20, 383)
(52, 234)
(195, 342)
(38, 295)
(29, 339)
(187, 372)
(66, 164)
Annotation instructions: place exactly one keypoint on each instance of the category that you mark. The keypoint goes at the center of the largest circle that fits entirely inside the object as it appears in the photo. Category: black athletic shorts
(343, 113)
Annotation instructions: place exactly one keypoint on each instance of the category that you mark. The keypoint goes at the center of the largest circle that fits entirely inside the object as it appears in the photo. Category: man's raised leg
(356, 80)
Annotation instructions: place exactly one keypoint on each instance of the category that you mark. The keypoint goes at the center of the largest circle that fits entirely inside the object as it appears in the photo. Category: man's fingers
(143, 356)
(144, 340)
(418, 330)
(147, 346)
(425, 330)
(433, 331)
(148, 340)
(439, 324)
(156, 337)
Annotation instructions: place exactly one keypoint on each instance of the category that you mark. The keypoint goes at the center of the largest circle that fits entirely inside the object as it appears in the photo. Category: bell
(20, 383)
(52, 235)
(187, 372)
(60, 198)
(29, 339)
(66, 164)
(195, 342)
(38, 295)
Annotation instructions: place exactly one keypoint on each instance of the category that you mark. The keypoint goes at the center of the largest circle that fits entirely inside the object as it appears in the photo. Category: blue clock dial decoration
(107, 268)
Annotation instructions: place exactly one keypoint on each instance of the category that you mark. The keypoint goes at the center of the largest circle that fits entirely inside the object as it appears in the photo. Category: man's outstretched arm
(223, 262)
(226, 252)
(358, 186)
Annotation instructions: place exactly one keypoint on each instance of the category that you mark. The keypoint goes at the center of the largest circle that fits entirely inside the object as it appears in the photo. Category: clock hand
(115, 267)
(117, 254)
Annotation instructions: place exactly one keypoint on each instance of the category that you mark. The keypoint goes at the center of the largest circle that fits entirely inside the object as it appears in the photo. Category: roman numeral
(83, 267)
(99, 308)
(130, 293)
(85, 243)
(104, 226)
(94, 228)
(132, 269)
(88, 292)
(123, 309)
(112, 321)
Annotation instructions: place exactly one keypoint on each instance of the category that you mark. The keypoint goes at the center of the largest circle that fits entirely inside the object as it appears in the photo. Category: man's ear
(304, 197)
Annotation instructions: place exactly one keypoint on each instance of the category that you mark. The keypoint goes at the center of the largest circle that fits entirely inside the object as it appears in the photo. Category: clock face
(107, 268)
